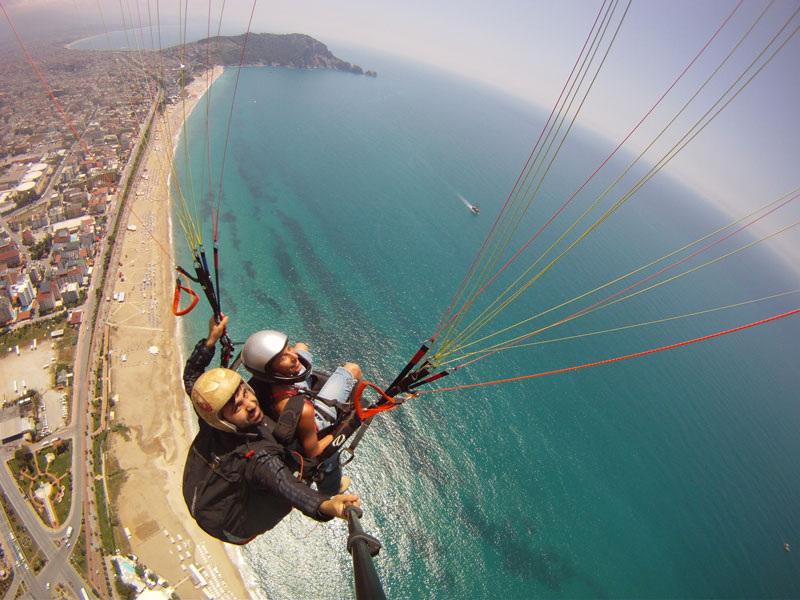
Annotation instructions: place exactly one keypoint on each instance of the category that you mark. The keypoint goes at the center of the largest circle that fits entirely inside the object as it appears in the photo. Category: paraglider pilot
(236, 482)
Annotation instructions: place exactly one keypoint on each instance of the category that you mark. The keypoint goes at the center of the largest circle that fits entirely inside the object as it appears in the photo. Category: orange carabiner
(176, 298)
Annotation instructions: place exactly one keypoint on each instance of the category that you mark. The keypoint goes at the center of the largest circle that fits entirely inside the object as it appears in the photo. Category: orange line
(611, 360)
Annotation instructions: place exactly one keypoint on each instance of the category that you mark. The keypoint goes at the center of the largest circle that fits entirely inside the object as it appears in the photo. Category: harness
(214, 486)
(344, 425)
(308, 470)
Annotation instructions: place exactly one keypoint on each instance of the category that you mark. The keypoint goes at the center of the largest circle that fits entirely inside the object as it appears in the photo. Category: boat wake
(472, 207)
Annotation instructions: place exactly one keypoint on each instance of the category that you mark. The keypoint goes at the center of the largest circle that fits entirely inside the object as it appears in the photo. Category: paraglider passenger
(236, 483)
(280, 372)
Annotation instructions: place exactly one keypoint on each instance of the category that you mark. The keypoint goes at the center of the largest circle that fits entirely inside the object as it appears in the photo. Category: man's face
(287, 363)
(242, 409)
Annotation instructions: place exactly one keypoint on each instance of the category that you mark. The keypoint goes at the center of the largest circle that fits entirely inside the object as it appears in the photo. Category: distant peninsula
(293, 50)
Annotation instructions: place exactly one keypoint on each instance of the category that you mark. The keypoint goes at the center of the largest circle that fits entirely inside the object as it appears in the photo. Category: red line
(519, 177)
(632, 131)
(75, 131)
(619, 358)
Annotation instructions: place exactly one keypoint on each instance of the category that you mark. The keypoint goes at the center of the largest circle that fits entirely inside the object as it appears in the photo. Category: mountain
(294, 50)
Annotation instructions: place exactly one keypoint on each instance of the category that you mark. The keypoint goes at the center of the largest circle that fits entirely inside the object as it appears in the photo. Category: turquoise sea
(668, 476)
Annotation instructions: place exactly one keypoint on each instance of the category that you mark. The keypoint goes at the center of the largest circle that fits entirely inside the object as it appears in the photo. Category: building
(9, 252)
(35, 273)
(48, 296)
(13, 177)
(7, 203)
(39, 220)
(23, 291)
(72, 225)
(56, 214)
(97, 204)
(6, 312)
(14, 427)
(26, 192)
(10, 257)
(73, 210)
(70, 273)
(70, 293)
(60, 235)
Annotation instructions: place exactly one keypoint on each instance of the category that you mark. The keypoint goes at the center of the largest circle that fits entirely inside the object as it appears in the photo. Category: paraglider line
(617, 359)
(230, 118)
(516, 183)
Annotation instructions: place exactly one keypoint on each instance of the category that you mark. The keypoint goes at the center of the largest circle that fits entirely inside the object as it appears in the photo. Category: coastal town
(62, 156)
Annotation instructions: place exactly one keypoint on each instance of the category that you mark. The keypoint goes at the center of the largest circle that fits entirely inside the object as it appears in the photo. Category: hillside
(293, 50)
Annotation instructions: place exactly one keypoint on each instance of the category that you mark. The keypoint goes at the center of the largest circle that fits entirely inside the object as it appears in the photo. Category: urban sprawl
(59, 190)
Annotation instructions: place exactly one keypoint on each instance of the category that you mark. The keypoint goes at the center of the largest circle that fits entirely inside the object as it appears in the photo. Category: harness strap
(308, 393)
(292, 391)
(286, 425)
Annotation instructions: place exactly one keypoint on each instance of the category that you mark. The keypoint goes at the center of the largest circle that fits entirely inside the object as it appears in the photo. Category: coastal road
(86, 355)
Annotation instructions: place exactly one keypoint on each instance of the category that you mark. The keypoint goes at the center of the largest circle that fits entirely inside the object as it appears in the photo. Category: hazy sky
(749, 155)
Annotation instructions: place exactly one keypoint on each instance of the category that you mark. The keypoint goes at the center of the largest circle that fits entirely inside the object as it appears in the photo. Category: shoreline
(146, 345)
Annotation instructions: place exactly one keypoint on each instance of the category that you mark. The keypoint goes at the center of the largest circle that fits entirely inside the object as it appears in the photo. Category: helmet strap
(273, 377)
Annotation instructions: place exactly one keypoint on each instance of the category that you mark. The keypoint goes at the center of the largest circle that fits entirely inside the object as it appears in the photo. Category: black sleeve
(196, 364)
(269, 472)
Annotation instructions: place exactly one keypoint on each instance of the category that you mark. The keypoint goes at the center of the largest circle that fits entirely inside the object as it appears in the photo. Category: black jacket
(274, 489)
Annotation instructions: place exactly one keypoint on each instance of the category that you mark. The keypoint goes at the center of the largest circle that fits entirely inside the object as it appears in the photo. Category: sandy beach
(146, 366)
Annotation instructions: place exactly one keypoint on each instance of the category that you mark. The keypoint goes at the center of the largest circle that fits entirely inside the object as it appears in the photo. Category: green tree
(42, 248)
(125, 591)
(24, 456)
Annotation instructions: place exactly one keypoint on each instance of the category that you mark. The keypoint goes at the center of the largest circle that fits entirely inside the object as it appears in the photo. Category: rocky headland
(294, 50)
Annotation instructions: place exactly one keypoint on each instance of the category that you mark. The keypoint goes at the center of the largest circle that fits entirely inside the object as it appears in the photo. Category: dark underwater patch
(346, 309)
(228, 305)
(313, 318)
(249, 271)
(283, 261)
(251, 171)
(520, 557)
(255, 209)
(265, 300)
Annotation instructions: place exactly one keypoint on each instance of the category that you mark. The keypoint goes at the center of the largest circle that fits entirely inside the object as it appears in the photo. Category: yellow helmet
(212, 390)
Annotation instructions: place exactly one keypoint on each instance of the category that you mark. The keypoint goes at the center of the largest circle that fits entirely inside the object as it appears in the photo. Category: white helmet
(212, 390)
(260, 348)
(259, 351)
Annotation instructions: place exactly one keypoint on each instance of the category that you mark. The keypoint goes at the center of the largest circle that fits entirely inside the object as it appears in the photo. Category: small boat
(474, 209)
